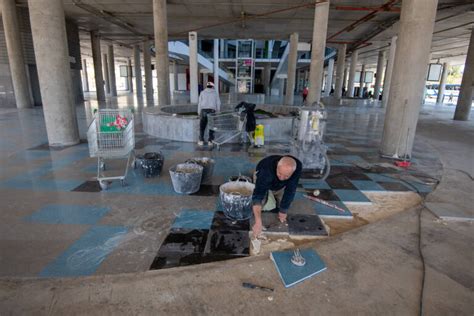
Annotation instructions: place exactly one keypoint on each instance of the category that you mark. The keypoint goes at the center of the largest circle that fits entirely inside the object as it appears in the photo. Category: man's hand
(282, 217)
(257, 229)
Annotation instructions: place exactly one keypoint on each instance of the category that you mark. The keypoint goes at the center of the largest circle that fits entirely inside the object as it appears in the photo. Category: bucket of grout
(207, 164)
(236, 199)
(186, 177)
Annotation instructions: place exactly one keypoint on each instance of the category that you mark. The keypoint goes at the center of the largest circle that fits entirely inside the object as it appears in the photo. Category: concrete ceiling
(127, 22)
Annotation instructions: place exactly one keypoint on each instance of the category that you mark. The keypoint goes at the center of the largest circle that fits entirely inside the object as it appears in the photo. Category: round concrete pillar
(318, 46)
(148, 72)
(52, 59)
(292, 61)
(463, 107)
(408, 78)
(138, 70)
(378, 80)
(96, 57)
(160, 23)
(111, 62)
(341, 57)
(352, 71)
(15, 54)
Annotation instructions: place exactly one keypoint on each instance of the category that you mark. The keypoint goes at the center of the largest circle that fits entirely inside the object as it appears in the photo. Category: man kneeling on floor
(276, 178)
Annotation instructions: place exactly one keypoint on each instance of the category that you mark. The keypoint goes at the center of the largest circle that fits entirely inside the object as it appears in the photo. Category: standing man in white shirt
(209, 102)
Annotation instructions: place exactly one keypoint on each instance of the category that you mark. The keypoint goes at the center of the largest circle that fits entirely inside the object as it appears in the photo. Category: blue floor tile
(327, 211)
(68, 214)
(85, 255)
(316, 184)
(420, 187)
(352, 196)
(367, 185)
(193, 219)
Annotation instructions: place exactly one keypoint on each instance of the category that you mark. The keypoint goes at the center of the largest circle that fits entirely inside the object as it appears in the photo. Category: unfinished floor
(375, 267)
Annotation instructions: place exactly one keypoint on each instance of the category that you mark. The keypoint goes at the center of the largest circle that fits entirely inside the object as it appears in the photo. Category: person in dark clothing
(250, 123)
(276, 176)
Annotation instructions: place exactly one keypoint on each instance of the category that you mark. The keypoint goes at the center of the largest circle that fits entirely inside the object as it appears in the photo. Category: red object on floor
(403, 164)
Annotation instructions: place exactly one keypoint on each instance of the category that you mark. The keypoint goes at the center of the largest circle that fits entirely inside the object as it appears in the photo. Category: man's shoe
(200, 143)
(210, 143)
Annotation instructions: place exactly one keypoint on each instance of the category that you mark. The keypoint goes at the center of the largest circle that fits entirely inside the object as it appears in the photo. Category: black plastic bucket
(186, 177)
(152, 164)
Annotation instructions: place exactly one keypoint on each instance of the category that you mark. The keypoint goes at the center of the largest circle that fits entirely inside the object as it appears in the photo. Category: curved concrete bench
(175, 123)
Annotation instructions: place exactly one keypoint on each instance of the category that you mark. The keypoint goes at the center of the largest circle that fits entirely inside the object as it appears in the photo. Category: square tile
(68, 214)
(174, 259)
(325, 211)
(327, 195)
(352, 196)
(88, 186)
(394, 186)
(184, 241)
(364, 185)
(228, 242)
(306, 225)
(272, 224)
(420, 187)
(85, 255)
(356, 176)
(340, 182)
(193, 219)
(316, 184)
(221, 222)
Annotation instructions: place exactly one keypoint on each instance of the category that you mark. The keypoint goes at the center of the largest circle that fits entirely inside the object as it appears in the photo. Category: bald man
(278, 176)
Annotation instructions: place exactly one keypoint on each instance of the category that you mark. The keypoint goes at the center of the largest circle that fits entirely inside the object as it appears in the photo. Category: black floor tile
(184, 241)
(394, 186)
(309, 225)
(175, 259)
(311, 174)
(356, 176)
(340, 182)
(88, 186)
(207, 190)
(228, 242)
(221, 222)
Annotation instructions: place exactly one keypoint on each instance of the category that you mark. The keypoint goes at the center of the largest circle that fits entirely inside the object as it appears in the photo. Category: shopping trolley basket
(227, 126)
(111, 136)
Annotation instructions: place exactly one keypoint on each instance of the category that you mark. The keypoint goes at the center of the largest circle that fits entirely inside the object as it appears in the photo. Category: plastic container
(152, 164)
(236, 199)
(207, 164)
(186, 177)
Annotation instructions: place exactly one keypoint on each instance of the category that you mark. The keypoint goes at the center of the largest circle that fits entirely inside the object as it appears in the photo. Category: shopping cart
(227, 126)
(111, 136)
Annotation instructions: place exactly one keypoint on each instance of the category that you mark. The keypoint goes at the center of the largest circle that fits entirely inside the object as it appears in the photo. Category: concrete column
(292, 60)
(48, 26)
(148, 72)
(463, 107)
(99, 79)
(408, 79)
(352, 72)
(112, 80)
(161, 45)
(442, 84)
(378, 80)
(341, 58)
(130, 75)
(320, 26)
(106, 73)
(216, 65)
(281, 89)
(15, 54)
(361, 81)
(328, 88)
(388, 71)
(175, 76)
(193, 67)
(344, 81)
(222, 49)
(138, 70)
(85, 77)
(266, 76)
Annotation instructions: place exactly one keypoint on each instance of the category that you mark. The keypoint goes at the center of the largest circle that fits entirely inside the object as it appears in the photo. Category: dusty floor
(372, 269)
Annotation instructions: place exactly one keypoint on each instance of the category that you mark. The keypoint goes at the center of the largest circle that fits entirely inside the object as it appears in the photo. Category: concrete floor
(373, 269)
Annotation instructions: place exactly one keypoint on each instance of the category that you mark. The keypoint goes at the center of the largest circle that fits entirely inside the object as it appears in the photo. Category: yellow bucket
(259, 135)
